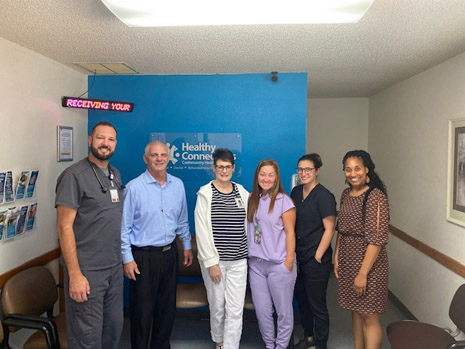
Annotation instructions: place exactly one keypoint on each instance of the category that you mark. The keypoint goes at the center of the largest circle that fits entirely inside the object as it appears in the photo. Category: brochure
(11, 220)
(21, 219)
(2, 186)
(21, 188)
(31, 216)
(9, 193)
(2, 224)
(31, 187)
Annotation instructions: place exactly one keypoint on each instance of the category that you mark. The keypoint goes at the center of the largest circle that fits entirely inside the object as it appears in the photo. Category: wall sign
(96, 104)
(456, 172)
(192, 152)
(65, 143)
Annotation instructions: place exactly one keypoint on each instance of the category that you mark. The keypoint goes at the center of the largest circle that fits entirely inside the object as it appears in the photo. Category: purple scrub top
(273, 237)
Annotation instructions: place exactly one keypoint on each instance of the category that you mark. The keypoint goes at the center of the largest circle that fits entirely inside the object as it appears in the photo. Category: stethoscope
(111, 177)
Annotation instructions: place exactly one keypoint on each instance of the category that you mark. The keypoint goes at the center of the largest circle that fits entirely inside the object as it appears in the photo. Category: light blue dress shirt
(153, 214)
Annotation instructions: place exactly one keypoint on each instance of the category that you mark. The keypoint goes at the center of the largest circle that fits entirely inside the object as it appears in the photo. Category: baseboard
(408, 315)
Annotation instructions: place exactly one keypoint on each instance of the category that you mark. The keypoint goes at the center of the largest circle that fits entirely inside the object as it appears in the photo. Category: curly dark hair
(375, 181)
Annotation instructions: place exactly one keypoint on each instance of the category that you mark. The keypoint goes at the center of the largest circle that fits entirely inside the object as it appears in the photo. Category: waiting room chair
(419, 335)
(190, 292)
(25, 297)
(2, 344)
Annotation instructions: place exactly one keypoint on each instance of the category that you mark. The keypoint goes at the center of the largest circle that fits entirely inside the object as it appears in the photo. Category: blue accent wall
(271, 116)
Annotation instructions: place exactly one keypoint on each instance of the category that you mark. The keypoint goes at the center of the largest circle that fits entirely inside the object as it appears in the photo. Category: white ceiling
(395, 40)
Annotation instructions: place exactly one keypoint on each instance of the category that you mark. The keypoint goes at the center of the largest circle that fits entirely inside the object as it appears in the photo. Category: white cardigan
(208, 254)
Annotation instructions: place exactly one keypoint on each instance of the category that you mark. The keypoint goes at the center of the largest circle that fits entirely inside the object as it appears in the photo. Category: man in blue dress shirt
(155, 211)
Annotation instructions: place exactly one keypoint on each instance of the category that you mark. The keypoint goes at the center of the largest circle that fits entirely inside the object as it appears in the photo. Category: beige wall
(30, 92)
(408, 138)
(335, 126)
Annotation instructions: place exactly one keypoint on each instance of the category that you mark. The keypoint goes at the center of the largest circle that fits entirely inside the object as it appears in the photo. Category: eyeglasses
(304, 169)
(222, 168)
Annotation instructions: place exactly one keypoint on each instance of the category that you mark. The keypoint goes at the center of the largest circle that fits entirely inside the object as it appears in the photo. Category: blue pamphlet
(21, 219)
(9, 193)
(21, 188)
(32, 184)
(31, 217)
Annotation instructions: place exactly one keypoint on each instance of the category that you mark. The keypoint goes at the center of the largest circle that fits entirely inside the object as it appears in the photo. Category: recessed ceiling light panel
(162, 13)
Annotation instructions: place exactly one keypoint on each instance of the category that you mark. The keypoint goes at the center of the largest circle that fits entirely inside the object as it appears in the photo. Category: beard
(99, 156)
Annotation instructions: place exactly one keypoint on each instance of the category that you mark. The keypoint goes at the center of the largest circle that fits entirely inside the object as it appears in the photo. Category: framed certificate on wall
(456, 175)
(65, 143)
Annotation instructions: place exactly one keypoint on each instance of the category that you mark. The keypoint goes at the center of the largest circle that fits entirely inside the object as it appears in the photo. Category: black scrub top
(309, 228)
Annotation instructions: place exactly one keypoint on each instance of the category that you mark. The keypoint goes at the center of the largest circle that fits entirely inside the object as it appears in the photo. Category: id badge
(257, 234)
(114, 195)
(239, 202)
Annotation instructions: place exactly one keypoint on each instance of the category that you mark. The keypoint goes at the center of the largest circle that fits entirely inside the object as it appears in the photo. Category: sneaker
(304, 344)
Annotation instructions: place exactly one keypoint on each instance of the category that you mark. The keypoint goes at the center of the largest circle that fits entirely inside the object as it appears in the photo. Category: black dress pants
(310, 292)
(153, 297)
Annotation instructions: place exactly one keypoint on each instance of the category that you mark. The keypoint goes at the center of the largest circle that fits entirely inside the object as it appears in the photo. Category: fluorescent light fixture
(165, 13)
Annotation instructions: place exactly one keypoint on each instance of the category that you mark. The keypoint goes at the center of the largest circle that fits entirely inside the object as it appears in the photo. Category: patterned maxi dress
(355, 235)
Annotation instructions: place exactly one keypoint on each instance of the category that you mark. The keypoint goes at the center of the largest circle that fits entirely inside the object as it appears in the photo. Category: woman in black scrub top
(316, 215)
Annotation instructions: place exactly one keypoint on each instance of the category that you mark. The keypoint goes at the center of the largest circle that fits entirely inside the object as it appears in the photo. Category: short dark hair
(102, 123)
(314, 158)
(223, 154)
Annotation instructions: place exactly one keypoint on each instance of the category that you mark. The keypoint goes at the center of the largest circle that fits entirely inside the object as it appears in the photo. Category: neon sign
(96, 104)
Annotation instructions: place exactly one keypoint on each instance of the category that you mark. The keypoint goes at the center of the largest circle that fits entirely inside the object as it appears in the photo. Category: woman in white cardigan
(220, 229)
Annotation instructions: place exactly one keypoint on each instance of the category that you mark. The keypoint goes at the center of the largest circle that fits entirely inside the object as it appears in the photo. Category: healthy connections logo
(191, 154)
(194, 151)
(172, 153)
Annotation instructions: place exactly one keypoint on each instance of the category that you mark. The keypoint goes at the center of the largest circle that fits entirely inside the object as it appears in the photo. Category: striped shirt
(228, 224)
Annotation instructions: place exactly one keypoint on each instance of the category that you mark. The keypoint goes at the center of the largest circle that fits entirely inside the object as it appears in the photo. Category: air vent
(106, 68)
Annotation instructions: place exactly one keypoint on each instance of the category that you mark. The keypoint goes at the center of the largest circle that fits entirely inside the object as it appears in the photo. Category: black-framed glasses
(304, 169)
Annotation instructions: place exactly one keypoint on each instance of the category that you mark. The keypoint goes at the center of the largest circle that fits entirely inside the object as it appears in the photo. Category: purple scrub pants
(273, 284)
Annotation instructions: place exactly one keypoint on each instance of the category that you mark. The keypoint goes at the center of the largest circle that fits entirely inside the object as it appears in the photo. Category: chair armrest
(39, 319)
(47, 326)
(456, 345)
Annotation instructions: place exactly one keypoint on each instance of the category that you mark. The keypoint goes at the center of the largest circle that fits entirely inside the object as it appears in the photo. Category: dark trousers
(153, 298)
(310, 292)
(98, 322)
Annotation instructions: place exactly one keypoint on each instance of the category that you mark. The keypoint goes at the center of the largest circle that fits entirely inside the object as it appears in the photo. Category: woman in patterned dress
(220, 228)
(360, 261)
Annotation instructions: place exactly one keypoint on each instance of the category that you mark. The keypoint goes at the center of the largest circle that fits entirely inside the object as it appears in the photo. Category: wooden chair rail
(438, 256)
(431, 252)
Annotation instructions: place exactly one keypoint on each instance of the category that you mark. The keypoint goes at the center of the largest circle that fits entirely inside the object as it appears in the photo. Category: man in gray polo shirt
(89, 201)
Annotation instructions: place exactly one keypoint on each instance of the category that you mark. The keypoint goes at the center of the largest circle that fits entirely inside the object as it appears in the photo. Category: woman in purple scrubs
(271, 245)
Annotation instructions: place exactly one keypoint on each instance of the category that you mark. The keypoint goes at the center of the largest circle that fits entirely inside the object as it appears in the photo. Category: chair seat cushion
(248, 303)
(417, 335)
(37, 340)
(191, 295)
